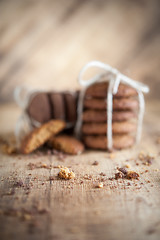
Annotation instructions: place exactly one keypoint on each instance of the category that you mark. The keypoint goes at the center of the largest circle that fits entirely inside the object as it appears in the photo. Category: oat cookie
(40, 135)
(66, 144)
(101, 128)
(100, 142)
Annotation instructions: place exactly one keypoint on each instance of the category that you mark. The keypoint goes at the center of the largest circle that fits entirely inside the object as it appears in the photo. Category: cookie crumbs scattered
(65, 173)
(124, 173)
(95, 163)
(100, 185)
(146, 159)
(102, 174)
(32, 166)
(87, 177)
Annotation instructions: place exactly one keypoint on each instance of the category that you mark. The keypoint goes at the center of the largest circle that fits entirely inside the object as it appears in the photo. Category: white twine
(115, 78)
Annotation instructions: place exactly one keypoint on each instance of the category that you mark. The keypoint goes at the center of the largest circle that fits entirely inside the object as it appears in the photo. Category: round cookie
(57, 105)
(101, 128)
(40, 135)
(70, 100)
(118, 104)
(100, 90)
(66, 144)
(100, 142)
(39, 107)
(101, 116)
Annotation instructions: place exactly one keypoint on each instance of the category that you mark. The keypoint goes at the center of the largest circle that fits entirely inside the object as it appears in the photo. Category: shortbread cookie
(100, 90)
(101, 116)
(40, 135)
(66, 144)
(57, 105)
(118, 104)
(100, 142)
(39, 108)
(101, 128)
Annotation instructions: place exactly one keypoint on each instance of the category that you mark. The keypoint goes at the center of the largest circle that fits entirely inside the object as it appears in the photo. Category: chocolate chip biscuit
(70, 99)
(57, 105)
(100, 142)
(66, 144)
(40, 135)
(101, 116)
(101, 128)
(39, 107)
(100, 90)
(118, 104)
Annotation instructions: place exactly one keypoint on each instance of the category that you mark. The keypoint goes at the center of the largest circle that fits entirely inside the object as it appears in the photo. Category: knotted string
(114, 77)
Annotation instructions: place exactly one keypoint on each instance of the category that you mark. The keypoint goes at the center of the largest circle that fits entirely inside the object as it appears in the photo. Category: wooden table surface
(34, 204)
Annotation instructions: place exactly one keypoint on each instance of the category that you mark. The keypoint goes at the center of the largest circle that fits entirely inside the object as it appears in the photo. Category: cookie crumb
(95, 163)
(65, 173)
(132, 175)
(127, 166)
(124, 173)
(100, 185)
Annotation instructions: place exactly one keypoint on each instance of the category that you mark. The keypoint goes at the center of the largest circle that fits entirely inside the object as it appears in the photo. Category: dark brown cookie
(118, 104)
(39, 107)
(100, 142)
(101, 128)
(70, 106)
(100, 90)
(66, 144)
(57, 105)
(101, 116)
(40, 135)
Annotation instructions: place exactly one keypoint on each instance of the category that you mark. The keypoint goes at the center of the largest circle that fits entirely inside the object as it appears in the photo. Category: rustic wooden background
(45, 43)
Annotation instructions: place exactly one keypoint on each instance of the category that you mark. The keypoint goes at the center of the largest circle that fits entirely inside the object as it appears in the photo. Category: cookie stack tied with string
(110, 109)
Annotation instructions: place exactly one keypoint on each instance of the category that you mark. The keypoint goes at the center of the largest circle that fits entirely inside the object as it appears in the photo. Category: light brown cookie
(100, 90)
(101, 128)
(100, 142)
(40, 135)
(101, 116)
(39, 107)
(66, 144)
(118, 104)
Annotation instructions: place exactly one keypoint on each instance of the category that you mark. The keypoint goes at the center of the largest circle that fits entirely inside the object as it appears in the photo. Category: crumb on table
(65, 173)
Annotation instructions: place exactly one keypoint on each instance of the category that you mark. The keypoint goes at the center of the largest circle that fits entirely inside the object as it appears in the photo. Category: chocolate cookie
(101, 128)
(100, 142)
(57, 105)
(39, 108)
(101, 116)
(70, 106)
(40, 135)
(100, 90)
(118, 104)
(66, 144)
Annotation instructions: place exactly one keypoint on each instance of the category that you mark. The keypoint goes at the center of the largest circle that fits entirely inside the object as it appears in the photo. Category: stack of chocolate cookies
(44, 106)
(94, 127)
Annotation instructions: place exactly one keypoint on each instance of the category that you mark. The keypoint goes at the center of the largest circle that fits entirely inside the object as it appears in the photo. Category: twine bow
(114, 79)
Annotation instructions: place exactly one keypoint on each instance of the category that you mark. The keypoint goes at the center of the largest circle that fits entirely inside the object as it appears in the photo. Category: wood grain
(76, 209)
(45, 43)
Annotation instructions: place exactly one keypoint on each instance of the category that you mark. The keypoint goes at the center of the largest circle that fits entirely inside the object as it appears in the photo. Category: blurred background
(45, 43)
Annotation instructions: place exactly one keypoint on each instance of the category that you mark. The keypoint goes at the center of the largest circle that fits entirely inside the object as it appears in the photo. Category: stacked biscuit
(44, 106)
(94, 127)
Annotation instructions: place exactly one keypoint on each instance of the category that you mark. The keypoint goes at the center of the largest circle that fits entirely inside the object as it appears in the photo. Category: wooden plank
(76, 209)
